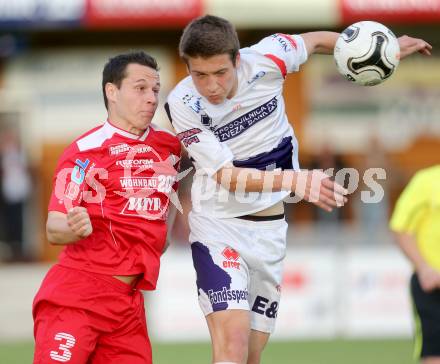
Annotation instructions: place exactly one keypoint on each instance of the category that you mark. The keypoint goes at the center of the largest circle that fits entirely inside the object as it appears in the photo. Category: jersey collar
(111, 129)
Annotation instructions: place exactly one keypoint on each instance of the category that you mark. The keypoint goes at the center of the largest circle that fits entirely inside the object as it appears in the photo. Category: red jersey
(125, 181)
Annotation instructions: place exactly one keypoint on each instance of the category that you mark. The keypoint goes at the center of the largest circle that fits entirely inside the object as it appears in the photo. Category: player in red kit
(109, 207)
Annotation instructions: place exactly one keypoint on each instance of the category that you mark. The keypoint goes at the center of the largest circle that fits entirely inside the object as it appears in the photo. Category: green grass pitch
(292, 352)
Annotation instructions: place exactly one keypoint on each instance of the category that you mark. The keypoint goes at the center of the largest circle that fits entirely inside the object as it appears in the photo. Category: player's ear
(237, 59)
(187, 66)
(110, 91)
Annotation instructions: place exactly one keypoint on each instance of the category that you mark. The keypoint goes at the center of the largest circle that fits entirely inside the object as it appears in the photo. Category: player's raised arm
(311, 185)
(409, 45)
(62, 229)
(322, 42)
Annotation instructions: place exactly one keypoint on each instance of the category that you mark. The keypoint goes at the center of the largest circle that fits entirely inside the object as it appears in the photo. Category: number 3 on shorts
(63, 354)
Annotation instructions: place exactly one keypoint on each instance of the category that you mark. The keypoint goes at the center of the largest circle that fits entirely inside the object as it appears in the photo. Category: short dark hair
(115, 69)
(209, 36)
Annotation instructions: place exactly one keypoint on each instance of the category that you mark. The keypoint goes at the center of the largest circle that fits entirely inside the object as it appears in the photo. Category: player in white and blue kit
(230, 116)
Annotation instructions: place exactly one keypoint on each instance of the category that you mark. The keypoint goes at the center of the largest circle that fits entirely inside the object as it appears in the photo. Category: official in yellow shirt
(416, 225)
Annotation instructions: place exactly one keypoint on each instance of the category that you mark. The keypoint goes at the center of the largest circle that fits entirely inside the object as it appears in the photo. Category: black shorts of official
(427, 320)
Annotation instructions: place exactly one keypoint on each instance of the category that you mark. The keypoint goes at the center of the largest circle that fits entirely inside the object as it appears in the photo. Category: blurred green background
(297, 352)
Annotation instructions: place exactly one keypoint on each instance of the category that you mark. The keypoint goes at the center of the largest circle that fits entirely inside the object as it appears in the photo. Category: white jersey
(250, 130)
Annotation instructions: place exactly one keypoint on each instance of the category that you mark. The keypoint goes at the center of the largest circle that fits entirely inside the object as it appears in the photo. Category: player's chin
(216, 100)
(144, 121)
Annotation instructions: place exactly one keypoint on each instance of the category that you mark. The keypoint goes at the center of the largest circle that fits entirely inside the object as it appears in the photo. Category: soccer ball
(367, 53)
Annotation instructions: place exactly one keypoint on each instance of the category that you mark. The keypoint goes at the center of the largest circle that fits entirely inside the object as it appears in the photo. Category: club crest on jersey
(232, 257)
(206, 120)
(193, 102)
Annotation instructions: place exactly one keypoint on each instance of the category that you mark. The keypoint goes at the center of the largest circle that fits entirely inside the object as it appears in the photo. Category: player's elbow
(51, 234)
(51, 238)
(54, 232)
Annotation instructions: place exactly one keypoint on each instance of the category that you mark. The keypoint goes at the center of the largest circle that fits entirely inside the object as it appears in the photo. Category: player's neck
(136, 131)
(125, 126)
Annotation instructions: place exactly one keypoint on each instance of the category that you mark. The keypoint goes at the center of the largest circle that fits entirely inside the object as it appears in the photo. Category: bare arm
(324, 42)
(409, 45)
(170, 223)
(313, 186)
(63, 229)
(320, 42)
(429, 277)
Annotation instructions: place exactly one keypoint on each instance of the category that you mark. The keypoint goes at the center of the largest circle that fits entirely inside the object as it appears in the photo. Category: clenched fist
(79, 222)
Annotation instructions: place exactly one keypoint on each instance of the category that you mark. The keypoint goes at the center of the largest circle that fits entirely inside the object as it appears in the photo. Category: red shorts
(82, 317)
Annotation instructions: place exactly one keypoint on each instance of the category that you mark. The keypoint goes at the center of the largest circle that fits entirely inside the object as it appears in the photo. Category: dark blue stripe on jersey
(244, 122)
(279, 157)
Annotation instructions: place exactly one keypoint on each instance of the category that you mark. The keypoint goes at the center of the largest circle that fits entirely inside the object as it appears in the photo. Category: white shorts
(239, 265)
